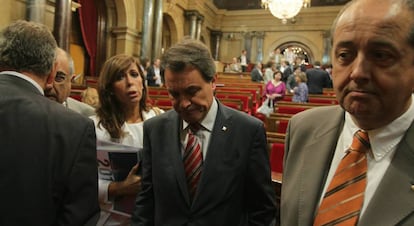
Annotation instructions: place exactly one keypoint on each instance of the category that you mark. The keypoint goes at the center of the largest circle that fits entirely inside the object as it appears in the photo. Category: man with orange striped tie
(353, 164)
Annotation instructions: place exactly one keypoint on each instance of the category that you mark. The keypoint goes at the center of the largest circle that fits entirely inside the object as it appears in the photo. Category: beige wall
(310, 25)
(125, 24)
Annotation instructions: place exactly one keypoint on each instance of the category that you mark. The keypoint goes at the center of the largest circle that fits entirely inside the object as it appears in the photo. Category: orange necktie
(193, 159)
(342, 202)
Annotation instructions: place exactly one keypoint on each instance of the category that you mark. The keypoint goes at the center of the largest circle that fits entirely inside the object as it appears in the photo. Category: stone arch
(307, 45)
(169, 34)
(175, 23)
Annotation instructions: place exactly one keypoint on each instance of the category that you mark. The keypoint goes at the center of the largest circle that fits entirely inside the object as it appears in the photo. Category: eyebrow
(61, 73)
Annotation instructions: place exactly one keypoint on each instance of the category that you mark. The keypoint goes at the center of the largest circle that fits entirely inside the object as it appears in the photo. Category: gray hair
(27, 47)
(190, 53)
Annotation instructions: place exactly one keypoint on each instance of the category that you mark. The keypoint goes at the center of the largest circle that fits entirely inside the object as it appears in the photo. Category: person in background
(269, 71)
(291, 81)
(62, 85)
(286, 70)
(155, 73)
(300, 92)
(90, 96)
(122, 111)
(145, 63)
(373, 78)
(48, 152)
(235, 66)
(318, 79)
(257, 74)
(244, 61)
(289, 55)
(229, 182)
(300, 62)
(276, 56)
(275, 89)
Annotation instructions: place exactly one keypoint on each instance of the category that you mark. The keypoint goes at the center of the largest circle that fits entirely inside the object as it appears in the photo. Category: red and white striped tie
(193, 159)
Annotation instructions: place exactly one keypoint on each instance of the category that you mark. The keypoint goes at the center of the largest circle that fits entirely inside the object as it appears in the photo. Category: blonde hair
(302, 76)
(90, 96)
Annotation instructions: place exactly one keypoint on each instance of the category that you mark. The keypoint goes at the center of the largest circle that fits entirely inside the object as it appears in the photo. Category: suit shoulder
(161, 118)
(317, 115)
(240, 117)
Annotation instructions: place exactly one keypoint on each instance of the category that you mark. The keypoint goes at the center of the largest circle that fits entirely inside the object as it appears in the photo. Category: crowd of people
(203, 163)
(287, 73)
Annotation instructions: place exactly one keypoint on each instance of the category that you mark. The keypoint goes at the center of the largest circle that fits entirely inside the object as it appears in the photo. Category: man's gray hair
(190, 53)
(27, 47)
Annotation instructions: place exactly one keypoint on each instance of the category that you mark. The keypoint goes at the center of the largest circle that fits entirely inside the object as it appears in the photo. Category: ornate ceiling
(256, 4)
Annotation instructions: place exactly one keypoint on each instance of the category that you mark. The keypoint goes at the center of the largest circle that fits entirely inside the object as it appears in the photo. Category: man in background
(155, 73)
(47, 152)
(60, 91)
(318, 79)
(244, 61)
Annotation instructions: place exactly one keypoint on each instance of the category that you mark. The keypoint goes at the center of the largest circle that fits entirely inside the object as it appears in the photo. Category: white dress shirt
(384, 142)
(204, 133)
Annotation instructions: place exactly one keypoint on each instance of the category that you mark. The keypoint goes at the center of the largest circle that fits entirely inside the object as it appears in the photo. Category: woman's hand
(130, 186)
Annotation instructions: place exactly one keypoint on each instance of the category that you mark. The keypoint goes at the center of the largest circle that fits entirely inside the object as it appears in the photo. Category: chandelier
(285, 9)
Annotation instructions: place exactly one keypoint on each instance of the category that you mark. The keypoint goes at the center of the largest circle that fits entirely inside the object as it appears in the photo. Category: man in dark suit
(235, 184)
(256, 74)
(317, 79)
(155, 73)
(373, 77)
(47, 152)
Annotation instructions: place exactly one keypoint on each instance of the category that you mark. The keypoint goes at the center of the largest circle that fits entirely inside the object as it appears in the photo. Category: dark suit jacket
(256, 76)
(151, 74)
(317, 80)
(47, 160)
(235, 186)
(310, 145)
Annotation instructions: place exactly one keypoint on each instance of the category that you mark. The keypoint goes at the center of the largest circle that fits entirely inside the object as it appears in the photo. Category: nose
(184, 102)
(360, 69)
(129, 79)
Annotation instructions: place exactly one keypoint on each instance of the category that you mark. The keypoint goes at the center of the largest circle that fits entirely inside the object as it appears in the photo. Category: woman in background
(123, 109)
(275, 89)
(300, 92)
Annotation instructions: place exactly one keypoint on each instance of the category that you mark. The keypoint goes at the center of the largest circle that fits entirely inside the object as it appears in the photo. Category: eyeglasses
(60, 76)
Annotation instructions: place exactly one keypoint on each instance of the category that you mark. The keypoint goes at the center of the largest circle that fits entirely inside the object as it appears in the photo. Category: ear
(213, 82)
(51, 77)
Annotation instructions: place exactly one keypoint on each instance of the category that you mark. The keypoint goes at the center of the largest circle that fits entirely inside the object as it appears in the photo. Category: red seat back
(276, 157)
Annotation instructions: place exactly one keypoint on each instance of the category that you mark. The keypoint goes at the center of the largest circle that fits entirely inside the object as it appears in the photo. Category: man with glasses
(62, 85)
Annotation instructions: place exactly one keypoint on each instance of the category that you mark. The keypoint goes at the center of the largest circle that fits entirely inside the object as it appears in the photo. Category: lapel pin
(224, 128)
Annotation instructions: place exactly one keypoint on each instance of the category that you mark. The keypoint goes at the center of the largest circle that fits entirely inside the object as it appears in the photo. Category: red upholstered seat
(290, 109)
(281, 126)
(276, 157)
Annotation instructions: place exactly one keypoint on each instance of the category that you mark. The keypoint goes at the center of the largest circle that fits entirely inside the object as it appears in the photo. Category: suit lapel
(316, 163)
(174, 151)
(394, 198)
(218, 142)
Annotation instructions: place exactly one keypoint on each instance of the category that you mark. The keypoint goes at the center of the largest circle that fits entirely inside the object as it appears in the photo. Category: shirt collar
(208, 122)
(27, 78)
